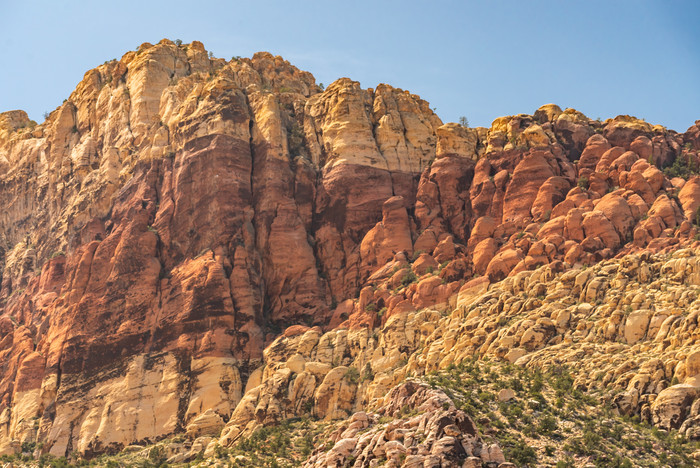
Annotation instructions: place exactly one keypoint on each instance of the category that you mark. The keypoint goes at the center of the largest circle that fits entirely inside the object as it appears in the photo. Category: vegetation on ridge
(550, 422)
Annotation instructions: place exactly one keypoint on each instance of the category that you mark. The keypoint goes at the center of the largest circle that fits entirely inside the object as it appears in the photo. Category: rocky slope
(202, 247)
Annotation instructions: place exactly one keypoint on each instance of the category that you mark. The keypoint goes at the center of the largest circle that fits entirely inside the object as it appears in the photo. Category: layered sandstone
(177, 213)
(626, 328)
(169, 218)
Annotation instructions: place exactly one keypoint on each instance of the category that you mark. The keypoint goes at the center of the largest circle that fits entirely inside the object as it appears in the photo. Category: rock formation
(198, 246)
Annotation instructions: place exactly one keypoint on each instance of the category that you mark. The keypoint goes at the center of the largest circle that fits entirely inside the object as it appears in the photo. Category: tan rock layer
(639, 346)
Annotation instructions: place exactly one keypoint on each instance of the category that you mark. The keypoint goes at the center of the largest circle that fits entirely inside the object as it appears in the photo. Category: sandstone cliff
(200, 246)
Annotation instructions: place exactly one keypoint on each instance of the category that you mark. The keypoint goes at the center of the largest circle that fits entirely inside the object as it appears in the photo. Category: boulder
(671, 406)
(689, 197)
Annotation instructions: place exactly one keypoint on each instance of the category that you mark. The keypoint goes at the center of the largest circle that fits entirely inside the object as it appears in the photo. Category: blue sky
(478, 59)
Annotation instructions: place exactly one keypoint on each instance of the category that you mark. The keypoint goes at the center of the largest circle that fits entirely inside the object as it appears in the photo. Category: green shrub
(219, 451)
(536, 383)
(547, 425)
(367, 373)
(295, 138)
(352, 375)
(28, 447)
(521, 454)
(566, 463)
(684, 166)
(409, 278)
(157, 455)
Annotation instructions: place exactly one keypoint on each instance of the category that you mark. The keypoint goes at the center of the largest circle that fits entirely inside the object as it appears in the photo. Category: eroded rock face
(178, 212)
(175, 211)
(437, 435)
(630, 347)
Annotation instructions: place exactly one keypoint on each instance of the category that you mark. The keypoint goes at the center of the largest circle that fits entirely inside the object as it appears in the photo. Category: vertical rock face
(169, 218)
(177, 212)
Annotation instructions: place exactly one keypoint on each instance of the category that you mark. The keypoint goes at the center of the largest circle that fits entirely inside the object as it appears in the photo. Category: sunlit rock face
(191, 245)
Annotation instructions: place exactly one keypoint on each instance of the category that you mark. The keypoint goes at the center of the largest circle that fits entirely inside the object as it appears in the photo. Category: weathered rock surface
(190, 244)
(170, 215)
(626, 327)
(426, 430)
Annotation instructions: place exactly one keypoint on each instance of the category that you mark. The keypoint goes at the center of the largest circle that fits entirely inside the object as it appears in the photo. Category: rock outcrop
(425, 430)
(192, 245)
